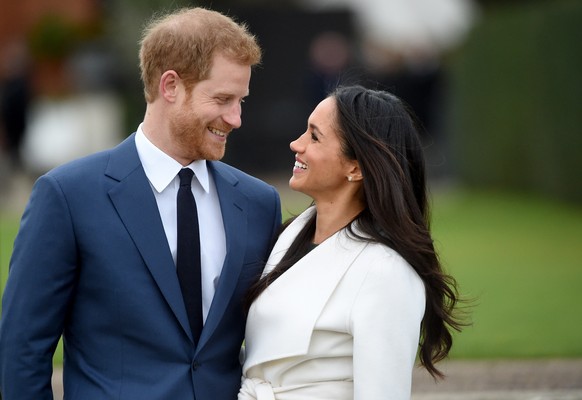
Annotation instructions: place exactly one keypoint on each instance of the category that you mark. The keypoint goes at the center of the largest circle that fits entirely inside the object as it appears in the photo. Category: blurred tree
(123, 26)
(516, 93)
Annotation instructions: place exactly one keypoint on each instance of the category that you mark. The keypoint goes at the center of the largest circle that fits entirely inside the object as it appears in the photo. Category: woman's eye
(314, 137)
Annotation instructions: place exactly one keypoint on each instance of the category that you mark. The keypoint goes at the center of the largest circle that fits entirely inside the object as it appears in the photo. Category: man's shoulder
(85, 166)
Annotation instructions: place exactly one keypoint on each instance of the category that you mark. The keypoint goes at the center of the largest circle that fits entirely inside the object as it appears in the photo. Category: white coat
(342, 323)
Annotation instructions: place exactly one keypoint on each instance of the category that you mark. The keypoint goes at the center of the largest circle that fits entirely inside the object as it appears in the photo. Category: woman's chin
(295, 185)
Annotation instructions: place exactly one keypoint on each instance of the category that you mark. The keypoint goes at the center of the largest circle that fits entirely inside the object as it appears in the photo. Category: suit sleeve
(385, 324)
(39, 288)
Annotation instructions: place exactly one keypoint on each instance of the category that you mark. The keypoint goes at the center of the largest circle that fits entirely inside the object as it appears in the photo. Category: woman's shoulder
(380, 262)
(384, 276)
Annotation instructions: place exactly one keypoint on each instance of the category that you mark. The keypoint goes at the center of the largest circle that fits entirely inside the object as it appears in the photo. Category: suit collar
(135, 203)
(123, 160)
(233, 205)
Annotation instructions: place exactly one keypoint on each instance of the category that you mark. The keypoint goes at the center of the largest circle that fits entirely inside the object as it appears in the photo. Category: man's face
(204, 117)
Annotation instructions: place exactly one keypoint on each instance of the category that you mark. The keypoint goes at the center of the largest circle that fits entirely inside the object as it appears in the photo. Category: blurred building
(56, 69)
(311, 46)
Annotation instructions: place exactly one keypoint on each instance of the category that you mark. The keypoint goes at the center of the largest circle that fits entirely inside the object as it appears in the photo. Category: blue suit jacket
(91, 261)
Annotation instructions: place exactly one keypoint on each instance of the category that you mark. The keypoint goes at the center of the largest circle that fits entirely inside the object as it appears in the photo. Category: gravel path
(503, 380)
(487, 380)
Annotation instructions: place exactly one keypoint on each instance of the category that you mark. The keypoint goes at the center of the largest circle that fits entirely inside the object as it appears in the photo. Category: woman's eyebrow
(315, 128)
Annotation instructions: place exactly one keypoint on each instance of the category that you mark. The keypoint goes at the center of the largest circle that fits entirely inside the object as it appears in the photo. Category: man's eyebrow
(229, 94)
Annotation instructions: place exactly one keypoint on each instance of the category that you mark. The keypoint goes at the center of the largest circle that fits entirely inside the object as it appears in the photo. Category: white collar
(161, 169)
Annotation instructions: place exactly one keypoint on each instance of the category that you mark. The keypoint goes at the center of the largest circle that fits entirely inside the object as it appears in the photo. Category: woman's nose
(296, 145)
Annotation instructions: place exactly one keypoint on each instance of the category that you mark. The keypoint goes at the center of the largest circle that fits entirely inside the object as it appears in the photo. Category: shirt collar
(161, 169)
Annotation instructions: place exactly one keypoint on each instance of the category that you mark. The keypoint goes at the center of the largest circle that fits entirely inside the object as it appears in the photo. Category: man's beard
(191, 136)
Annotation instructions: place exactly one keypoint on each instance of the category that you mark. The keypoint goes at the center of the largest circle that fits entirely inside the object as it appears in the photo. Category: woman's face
(321, 170)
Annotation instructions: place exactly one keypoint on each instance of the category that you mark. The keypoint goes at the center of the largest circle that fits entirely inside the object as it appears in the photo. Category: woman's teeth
(300, 165)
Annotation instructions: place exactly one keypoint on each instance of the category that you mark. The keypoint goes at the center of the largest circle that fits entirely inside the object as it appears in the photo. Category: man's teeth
(300, 165)
(217, 132)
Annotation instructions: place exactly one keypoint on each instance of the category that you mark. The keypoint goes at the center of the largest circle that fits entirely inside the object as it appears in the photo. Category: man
(95, 257)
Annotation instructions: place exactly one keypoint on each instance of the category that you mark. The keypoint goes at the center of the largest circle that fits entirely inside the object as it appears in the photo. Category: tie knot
(185, 176)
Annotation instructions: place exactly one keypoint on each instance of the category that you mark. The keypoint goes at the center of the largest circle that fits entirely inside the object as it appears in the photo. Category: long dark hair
(379, 131)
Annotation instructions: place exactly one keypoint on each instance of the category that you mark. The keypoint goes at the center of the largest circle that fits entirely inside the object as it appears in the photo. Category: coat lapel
(136, 205)
(291, 305)
(233, 205)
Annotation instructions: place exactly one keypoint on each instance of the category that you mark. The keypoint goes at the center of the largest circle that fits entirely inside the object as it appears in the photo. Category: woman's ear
(354, 172)
(169, 83)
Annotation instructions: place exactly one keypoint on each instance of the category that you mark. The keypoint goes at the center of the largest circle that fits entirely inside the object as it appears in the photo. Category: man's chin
(215, 156)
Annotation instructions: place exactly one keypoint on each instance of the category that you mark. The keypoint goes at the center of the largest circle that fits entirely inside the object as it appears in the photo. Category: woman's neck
(332, 217)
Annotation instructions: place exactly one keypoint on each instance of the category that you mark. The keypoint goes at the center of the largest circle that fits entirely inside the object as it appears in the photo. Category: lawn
(519, 257)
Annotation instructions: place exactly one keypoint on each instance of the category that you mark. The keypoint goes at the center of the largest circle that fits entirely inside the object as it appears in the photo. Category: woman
(353, 284)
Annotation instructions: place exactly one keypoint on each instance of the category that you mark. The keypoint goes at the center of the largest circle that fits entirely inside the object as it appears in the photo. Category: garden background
(503, 137)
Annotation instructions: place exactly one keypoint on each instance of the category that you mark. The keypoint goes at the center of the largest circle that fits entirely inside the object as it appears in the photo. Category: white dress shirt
(162, 173)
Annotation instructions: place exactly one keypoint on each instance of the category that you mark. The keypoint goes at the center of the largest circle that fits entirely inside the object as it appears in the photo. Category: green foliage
(516, 90)
(53, 37)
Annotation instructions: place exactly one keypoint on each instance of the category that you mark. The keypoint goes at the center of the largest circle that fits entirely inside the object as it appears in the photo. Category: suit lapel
(233, 205)
(136, 205)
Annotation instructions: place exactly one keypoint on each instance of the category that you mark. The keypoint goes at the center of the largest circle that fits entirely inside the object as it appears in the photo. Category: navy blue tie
(188, 254)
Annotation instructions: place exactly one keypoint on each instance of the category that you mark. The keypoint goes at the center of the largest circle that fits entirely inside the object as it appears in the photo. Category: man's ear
(169, 83)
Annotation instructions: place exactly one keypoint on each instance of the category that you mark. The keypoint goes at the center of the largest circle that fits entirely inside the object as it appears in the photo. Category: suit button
(195, 365)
